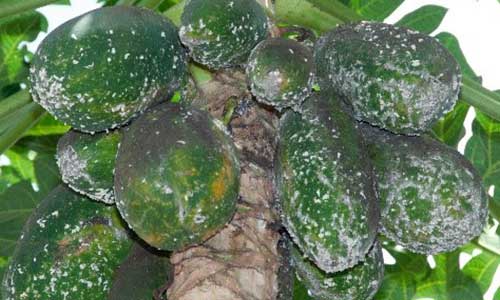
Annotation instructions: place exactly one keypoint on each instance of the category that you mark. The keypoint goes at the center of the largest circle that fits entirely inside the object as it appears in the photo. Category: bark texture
(242, 261)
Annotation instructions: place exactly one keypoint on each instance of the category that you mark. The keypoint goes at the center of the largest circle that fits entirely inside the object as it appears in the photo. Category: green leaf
(425, 19)
(483, 150)
(9, 8)
(46, 126)
(3, 266)
(451, 43)
(16, 205)
(17, 201)
(166, 4)
(44, 144)
(21, 162)
(8, 176)
(400, 279)
(450, 129)
(481, 268)
(376, 10)
(448, 282)
(396, 287)
(13, 31)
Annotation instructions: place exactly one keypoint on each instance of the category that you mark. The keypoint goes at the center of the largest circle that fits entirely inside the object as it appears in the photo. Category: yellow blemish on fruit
(154, 239)
(218, 186)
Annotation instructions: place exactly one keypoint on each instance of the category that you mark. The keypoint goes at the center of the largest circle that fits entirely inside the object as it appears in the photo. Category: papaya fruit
(99, 70)
(69, 249)
(221, 33)
(177, 176)
(324, 184)
(87, 163)
(360, 282)
(75, 248)
(280, 72)
(431, 197)
(393, 77)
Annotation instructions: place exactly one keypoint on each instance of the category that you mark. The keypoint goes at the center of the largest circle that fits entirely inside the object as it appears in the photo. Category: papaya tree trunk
(242, 261)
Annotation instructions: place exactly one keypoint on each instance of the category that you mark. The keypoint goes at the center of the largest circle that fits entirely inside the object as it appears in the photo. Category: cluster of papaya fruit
(353, 159)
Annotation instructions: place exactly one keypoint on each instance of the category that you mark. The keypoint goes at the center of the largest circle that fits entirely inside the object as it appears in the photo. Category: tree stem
(12, 7)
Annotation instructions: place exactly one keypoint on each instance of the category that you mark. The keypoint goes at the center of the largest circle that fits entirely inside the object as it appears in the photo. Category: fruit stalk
(323, 15)
(306, 14)
(13, 7)
(476, 95)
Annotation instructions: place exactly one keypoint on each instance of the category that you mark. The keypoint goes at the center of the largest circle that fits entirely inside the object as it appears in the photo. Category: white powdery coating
(454, 219)
(423, 104)
(74, 169)
(48, 90)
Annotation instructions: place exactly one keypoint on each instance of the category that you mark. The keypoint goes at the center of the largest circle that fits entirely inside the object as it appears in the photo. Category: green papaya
(280, 72)
(221, 33)
(69, 249)
(431, 197)
(87, 163)
(325, 187)
(99, 70)
(177, 176)
(393, 77)
(74, 248)
(360, 282)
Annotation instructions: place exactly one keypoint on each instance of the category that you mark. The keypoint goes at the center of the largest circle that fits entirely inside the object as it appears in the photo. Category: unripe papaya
(393, 77)
(360, 282)
(325, 185)
(177, 176)
(87, 163)
(431, 197)
(99, 70)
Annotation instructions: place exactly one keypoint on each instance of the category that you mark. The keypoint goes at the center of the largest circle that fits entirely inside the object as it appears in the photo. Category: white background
(476, 24)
